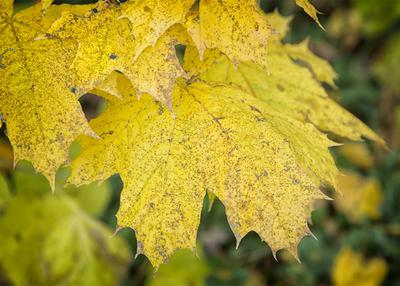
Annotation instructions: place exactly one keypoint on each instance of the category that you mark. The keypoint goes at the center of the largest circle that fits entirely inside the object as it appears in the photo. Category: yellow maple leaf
(351, 269)
(288, 87)
(210, 145)
(43, 117)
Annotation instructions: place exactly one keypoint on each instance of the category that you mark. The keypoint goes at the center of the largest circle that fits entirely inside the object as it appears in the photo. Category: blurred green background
(358, 233)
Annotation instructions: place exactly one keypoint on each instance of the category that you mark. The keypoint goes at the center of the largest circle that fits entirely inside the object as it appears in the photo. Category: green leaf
(48, 240)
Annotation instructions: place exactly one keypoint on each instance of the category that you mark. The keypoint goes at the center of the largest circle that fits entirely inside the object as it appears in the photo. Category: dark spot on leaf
(73, 90)
(113, 56)
(280, 88)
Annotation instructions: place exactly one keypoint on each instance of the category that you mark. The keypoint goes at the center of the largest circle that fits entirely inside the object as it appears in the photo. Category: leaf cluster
(243, 116)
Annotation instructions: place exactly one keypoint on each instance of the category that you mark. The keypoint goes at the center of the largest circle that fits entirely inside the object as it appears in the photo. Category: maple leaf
(43, 117)
(166, 163)
(288, 88)
(106, 44)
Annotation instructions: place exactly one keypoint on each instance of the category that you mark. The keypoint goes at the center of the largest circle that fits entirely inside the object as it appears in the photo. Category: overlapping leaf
(152, 18)
(43, 117)
(29, 23)
(238, 29)
(107, 43)
(288, 88)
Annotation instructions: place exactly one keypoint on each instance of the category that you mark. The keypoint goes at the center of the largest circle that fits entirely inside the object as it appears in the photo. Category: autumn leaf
(288, 88)
(165, 163)
(117, 85)
(43, 117)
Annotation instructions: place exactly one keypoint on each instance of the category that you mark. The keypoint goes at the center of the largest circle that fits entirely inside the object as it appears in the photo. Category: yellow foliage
(166, 162)
(351, 269)
(43, 117)
(30, 23)
(359, 197)
(106, 44)
(252, 139)
(288, 88)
